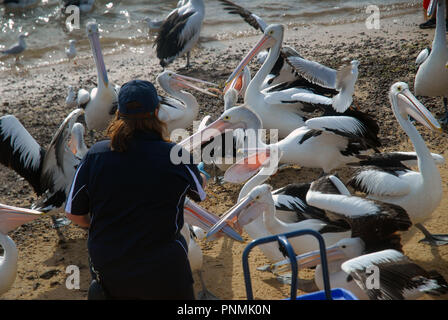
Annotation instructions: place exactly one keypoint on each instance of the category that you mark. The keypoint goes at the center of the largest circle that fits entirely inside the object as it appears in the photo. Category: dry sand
(36, 97)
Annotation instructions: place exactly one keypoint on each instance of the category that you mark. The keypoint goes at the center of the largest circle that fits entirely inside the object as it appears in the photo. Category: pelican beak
(431, 7)
(307, 260)
(248, 166)
(206, 134)
(13, 217)
(73, 145)
(264, 43)
(198, 216)
(94, 39)
(243, 213)
(418, 111)
(188, 82)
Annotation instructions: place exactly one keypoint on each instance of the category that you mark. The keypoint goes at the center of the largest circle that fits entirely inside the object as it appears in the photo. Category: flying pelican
(10, 219)
(18, 48)
(179, 32)
(419, 193)
(49, 171)
(83, 5)
(102, 101)
(71, 50)
(432, 75)
(275, 106)
(179, 111)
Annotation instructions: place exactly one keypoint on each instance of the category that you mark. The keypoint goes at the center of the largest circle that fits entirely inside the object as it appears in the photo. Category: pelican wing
(314, 72)
(397, 277)
(169, 112)
(20, 151)
(400, 160)
(341, 125)
(252, 19)
(380, 181)
(13, 217)
(422, 56)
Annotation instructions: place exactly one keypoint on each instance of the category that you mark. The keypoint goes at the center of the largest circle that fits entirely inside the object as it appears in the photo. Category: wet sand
(36, 97)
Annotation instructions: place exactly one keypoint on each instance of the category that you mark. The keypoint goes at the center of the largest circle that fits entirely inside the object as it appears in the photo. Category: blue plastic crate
(336, 294)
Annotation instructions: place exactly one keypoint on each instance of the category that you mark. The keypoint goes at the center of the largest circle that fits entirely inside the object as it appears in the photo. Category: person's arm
(78, 201)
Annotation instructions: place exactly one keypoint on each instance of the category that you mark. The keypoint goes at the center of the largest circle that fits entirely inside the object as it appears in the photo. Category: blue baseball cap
(137, 97)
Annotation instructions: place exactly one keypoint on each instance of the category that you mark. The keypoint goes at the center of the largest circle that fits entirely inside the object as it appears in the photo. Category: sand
(36, 96)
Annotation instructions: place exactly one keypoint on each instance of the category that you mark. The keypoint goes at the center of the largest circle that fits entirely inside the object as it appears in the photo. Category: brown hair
(122, 129)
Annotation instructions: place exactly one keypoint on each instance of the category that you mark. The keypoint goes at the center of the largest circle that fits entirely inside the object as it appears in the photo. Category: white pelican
(18, 48)
(71, 50)
(49, 171)
(102, 103)
(419, 193)
(275, 106)
(83, 5)
(179, 110)
(351, 265)
(156, 24)
(325, 142)
(179, 32)
(198, 220)
(10, 219)
(256, 212)
(432, 75)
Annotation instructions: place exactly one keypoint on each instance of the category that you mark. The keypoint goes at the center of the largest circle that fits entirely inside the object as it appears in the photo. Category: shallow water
(122, 27)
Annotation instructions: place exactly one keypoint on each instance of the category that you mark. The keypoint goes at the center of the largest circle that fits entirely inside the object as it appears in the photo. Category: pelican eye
(257, 198)
(344, 246)
(399, 88)
(227, 118)
(271, 32)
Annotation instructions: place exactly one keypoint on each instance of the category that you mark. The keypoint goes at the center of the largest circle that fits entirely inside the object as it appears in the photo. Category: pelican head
(169, 80)
(272, 36)
(405, 103)
(94, 39)
(76, 142)
(246, 210)
(234, 118)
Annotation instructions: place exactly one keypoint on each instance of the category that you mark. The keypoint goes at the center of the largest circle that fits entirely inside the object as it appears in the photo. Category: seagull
(10, 219)
(18, 48)
(71, 50)
(179, 32)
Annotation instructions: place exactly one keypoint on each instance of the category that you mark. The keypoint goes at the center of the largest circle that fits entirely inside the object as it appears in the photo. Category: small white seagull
(18, 48)
(71, 50)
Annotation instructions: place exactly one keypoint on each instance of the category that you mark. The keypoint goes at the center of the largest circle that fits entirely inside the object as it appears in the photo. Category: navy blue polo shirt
(135, 199)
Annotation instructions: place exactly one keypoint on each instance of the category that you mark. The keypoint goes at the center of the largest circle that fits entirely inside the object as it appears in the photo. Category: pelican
(351, 264)
(179, 32)
(71, 50)
(197, 219)
(432, 75)
(328, 143)
(49, 171)
(101, 103)
(156, 24)
(10, 219)
(179, 111)
(275, 106)
(418, 192)
(18, 48)
(83, 5)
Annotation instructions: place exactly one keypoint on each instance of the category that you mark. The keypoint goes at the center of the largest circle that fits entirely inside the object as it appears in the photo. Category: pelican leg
(432, 239)
(205, 294)
(188, 65)
(444, 119)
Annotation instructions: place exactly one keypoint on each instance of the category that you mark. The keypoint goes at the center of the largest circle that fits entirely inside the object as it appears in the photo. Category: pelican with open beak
(181, 108)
